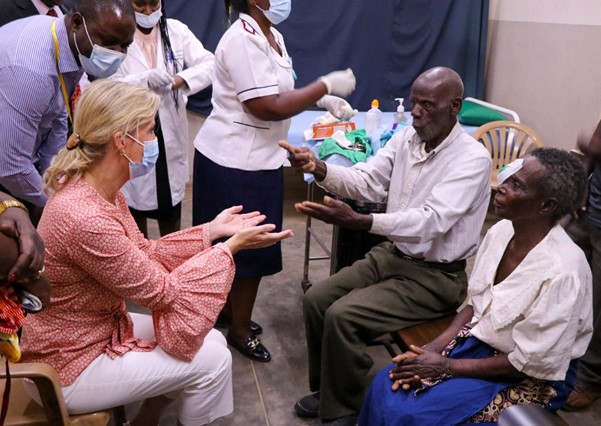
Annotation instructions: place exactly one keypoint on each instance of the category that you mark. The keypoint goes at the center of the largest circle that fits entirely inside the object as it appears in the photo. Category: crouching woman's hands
(244, 230)
(254, 237)
(230, 221)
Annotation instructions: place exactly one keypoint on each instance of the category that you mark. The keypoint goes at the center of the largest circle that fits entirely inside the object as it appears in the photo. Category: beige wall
(544, 61)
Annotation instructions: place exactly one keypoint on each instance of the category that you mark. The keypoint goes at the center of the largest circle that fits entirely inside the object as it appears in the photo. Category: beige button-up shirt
(437, 201)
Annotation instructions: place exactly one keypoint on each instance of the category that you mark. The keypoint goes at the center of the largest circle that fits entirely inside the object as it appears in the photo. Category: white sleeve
(128, 72)
(198, 62)
(545, 339)
(245, 56)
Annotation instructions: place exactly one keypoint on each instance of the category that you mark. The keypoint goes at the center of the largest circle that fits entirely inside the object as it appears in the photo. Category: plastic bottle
(399, 114)
(373, 117)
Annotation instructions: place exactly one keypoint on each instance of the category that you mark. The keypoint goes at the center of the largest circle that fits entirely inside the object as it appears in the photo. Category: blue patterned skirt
(459, 400)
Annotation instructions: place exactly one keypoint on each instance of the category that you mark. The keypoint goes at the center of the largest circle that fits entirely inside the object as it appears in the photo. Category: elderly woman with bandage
(528, 317)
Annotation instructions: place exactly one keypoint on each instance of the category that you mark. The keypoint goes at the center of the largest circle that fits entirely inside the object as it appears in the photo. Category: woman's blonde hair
(105, 108)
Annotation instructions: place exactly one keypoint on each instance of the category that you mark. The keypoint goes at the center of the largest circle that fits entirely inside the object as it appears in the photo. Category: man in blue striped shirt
(35, 53)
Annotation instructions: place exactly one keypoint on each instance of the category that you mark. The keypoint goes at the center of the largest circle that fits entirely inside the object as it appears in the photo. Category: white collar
(43, 9)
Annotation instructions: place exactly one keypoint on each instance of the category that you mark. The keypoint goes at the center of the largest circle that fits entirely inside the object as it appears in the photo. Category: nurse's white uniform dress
(238, 160)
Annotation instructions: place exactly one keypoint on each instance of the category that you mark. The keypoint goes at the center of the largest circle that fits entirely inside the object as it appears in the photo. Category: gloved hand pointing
(336, 106)
(339, 83)
(159, 79)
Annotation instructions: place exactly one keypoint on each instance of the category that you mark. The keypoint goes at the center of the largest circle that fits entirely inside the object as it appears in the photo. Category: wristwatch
(11, 203)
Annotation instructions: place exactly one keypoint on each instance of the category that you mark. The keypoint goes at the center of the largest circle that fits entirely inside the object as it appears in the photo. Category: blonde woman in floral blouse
(96, 258)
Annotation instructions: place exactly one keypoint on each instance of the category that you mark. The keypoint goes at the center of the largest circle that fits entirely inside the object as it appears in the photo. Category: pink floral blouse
(95, 259)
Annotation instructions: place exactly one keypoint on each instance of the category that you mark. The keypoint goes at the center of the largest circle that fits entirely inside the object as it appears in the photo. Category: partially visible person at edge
(96, 258)
(528, 317)
(435, 179)
(585, 230)
(24, 286)
(237, 159)
(167, 58)
(38, 79)
(11, 10)
(15, 224)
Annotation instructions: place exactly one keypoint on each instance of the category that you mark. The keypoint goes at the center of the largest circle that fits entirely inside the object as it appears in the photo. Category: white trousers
(203, 387)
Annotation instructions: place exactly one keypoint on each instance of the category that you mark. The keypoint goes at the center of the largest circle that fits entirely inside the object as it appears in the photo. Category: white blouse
(541, 314)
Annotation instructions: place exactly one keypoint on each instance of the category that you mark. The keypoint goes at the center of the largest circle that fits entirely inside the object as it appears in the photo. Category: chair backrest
(23, 410)
(506, 141)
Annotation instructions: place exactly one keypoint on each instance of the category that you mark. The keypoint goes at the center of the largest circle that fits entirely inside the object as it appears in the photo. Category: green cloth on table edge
(473, 114)
(329, 146)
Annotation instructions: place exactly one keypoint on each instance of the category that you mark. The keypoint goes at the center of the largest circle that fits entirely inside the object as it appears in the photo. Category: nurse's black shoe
(223, 322)
(252, 348)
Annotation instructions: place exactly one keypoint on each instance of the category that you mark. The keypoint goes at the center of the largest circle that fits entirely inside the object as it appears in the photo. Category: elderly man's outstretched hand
(335, 212)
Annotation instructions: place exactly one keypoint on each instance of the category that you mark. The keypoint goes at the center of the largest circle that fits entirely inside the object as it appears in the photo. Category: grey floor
(264, 393)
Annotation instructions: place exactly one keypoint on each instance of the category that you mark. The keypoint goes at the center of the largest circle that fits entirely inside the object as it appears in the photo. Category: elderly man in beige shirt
(435, 179)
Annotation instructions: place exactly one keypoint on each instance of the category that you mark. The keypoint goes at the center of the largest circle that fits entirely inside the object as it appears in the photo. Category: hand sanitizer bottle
(399, 114)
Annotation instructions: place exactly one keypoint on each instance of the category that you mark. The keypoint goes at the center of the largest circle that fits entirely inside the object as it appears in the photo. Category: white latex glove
(336, 106)
(159, 79)
(339, 83)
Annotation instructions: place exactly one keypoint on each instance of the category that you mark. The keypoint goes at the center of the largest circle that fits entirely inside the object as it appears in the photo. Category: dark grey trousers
(375, 295)
(588, 238)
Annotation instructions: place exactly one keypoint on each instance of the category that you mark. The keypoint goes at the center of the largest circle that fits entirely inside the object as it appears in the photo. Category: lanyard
(60, 75)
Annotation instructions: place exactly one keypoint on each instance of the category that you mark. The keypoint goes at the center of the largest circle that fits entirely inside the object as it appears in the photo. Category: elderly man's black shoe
(340, 421)
(252, 349)
(308, 406)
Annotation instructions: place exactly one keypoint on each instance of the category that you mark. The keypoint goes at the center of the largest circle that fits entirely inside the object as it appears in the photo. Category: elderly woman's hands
(416, 364)
(254, 237)
(230, 221)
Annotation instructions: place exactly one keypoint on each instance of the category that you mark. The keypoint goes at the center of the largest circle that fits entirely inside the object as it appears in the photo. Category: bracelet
(12, 203)
(447, 367)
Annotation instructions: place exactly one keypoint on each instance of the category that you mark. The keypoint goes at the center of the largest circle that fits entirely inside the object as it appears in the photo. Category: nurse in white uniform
(237, 159)
(166, 57)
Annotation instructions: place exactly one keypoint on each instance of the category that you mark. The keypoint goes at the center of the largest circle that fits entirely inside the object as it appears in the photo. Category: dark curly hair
(240, 6)
(564, 180)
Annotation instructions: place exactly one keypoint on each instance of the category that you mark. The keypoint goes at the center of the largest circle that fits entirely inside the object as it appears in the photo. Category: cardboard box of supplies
(322, 131)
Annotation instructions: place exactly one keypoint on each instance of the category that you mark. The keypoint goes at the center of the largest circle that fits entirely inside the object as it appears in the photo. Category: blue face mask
(102, 62)
(148, 21)
(278, 11)
(149, 158)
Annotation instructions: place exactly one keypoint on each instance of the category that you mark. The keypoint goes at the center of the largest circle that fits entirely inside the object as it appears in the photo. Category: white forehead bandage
(509, 169)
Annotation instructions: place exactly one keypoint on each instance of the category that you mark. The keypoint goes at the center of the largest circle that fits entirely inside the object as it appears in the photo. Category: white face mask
(102, 62)
(278, 11)
(148, 21)
(149, 158)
